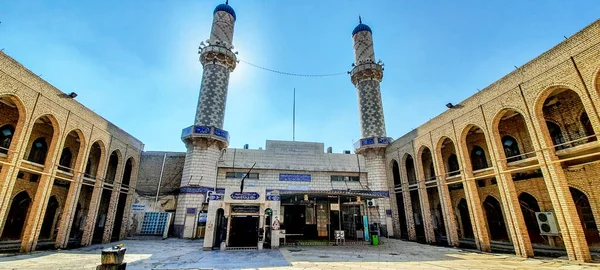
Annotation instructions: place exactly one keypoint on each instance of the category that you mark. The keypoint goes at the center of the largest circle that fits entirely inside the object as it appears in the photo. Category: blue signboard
(216, 197)
(221, 133)
(295, 177)
(367, 141)
(245, 196)
(383, 140)
(273, 198)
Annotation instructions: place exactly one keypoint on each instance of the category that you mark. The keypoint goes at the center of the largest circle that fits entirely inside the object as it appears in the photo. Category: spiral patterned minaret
(206, 140)
(366, 76)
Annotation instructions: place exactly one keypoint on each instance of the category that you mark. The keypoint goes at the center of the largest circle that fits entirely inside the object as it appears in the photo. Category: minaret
(206, 140)
(366, 76)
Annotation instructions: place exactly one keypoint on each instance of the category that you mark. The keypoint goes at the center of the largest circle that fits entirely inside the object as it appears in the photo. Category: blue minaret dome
(360, 27)
(225, 7)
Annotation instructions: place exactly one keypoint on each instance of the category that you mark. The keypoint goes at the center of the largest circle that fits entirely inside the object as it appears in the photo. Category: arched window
(38, 152)
(396, 173)
(431, 172)
(65, 160)
(453, 168)
(6, 134)
(511, 148)
(410, 170)
(587, 127)
(478, 160)
(556, 135)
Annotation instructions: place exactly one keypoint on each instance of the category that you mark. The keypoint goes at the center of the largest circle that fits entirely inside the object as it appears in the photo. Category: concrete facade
(58, 159)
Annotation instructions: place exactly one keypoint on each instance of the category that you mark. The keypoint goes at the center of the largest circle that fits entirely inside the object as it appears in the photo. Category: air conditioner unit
(371, 203)
(547, 223)
(207, 198)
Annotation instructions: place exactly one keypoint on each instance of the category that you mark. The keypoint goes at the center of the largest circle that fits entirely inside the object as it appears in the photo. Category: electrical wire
(292, 74)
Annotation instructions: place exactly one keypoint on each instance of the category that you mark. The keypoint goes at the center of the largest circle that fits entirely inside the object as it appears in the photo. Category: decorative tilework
(213, 96)
(222, 27)
(367, 141)
(371, 110)
(221, 133)
(202, 129)
(295, 177)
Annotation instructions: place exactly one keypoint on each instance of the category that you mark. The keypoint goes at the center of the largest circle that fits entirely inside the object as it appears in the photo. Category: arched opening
(478, 159)
(113, 164)
(465, 230)
(556, 134)
(586, 216)
(41, 137)
(417, 216)
(511, 148)
(118, 223)
(433, 196)
(410, 170)
(39, 150)
(477, 145)
(64, 164)
(396, 173)
(453, 166)
(563, 108)
(101, 216)
(512, 129)
(11, 118)
(6, 135)
(495, 219)
(49, 225)
(17, 215)
(220, 228)
(586, 124)
(529, 206)
(402, 215)
(127, 171)
(93, 162)
(448, 151)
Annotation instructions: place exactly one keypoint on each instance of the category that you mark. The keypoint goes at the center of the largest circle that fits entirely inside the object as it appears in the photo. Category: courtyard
(188, 254)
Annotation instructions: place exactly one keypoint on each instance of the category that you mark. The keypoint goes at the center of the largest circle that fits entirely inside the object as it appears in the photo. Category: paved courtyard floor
(188, 254)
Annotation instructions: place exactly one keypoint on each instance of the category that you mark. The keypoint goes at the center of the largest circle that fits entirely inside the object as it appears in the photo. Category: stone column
(114, 201)
(408, 211)
(424, 201)
(90, 222)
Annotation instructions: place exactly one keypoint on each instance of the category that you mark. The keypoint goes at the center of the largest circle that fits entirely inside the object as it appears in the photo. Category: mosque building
(513, 168)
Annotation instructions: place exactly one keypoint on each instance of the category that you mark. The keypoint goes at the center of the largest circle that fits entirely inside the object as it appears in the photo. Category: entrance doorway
(244, 231)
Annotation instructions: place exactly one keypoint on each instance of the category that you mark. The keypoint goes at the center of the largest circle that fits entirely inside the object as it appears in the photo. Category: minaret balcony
(372, 142)
(218, 54)
(366, 71)
(209, 132)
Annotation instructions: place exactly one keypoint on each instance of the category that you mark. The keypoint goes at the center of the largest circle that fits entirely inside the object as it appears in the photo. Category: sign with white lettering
(295, 177)
(245, 196)
(138, 207)
(334, 207)
(245, 208)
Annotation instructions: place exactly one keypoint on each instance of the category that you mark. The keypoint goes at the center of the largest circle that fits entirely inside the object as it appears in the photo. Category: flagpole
(294, 118)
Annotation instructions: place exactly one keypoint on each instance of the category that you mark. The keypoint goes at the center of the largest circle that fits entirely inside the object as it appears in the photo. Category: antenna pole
(294, 118)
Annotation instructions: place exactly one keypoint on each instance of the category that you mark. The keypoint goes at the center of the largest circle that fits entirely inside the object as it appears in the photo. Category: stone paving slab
(174, 254)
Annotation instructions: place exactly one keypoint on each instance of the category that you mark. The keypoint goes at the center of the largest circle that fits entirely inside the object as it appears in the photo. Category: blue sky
(136, 63)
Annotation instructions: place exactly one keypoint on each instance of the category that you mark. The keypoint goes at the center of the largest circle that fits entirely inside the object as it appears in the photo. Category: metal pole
(294, 118)
(339, 214)
(162, 169)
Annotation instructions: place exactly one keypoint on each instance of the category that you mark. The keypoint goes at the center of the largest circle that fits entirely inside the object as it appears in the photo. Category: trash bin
(375, 239)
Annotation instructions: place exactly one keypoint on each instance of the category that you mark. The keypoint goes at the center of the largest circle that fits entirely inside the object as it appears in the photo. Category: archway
(113, 164)
(49, 224)
(127, 172)
(495, 219)
(402, 215)
(410, 170)
(94, 158)
(433, 195)
(118, 223)
(586, 216)
(465, 227)
(511, 129)
(11, 123)
(6, 135)
(41, 139)
(17, 215)
(529, 206)
(563, 108)
(477, 147)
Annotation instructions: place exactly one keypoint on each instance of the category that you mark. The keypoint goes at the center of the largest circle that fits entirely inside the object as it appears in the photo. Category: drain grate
(241, 248)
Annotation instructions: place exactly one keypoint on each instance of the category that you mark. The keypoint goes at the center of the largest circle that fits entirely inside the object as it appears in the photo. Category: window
(39, 148)
(478, 160)
(345, 178)
(556, 135)
(6, 134)
(453, 168)
(65, 160)
(241, 175)
(511, 149)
